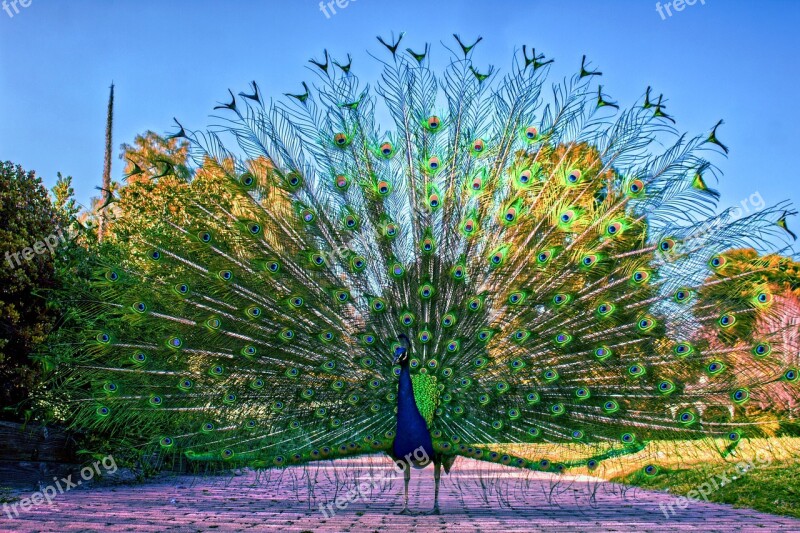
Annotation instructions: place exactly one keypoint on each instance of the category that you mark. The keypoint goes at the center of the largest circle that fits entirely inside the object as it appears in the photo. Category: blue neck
(406, 405)
(412, 430)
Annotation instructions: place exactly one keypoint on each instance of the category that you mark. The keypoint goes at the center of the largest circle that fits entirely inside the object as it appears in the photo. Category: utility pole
(106, 189)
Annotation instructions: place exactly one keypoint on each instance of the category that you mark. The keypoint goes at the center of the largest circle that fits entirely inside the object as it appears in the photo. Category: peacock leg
(407, 478)
(437, 474)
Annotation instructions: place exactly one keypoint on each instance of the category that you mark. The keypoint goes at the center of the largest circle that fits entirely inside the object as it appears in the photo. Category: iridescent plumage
(551, 264)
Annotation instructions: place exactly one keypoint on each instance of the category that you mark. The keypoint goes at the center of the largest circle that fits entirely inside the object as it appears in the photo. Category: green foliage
(27, 217)
(770, 489)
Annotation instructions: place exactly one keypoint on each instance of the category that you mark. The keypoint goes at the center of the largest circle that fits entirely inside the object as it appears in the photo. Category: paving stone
(476, 497)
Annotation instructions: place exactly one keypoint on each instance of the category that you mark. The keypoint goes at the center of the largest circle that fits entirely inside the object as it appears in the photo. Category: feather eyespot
(341, 181)
(544, 257)
(762, 349)
(391, 230)
(478, 146)
(574, 176)
(683, 295)
(717, 261)
(666, 386)
(683, 349)
(531, 133)
(340, 140)
(433, 123)
(636, 187)
(247, 179)
(740, 395)
(602, 353)
(308, 216)
(666, 245)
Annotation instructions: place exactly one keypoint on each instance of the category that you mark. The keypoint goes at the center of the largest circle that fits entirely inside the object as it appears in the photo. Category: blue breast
(412, 431)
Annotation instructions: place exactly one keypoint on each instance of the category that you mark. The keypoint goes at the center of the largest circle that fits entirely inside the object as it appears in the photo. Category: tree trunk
(106, 189)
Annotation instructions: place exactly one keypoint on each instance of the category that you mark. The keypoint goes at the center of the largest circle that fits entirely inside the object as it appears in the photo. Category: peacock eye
(567, 216)
(717, 261)
(434, 123)
(531, 133)
(574, 176)
(340, 139)
(478, 146)
(247, 179)
(255, 229)
(636, 186)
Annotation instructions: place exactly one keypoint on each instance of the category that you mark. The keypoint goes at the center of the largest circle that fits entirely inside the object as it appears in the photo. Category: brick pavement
(475, 497)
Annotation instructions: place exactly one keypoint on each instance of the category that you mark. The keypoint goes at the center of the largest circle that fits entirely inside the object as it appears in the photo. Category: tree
(32, 230)
(106, 188)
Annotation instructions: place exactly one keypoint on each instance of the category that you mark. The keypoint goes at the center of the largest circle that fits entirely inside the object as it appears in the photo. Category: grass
(770, 484)
(7, 496)
(771, 489)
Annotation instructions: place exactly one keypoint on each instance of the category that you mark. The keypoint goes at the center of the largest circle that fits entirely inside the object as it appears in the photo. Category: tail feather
(552, 273)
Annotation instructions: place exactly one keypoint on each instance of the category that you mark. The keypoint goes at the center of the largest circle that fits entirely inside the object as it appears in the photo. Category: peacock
(508, 264)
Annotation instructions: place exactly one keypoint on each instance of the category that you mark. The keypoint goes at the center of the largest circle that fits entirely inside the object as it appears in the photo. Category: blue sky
(731, 59)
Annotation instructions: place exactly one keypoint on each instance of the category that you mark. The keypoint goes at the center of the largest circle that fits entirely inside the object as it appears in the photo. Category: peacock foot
(435, 510)
(405, 511)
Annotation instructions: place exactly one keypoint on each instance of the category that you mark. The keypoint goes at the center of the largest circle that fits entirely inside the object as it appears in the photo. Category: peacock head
(401, 352)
